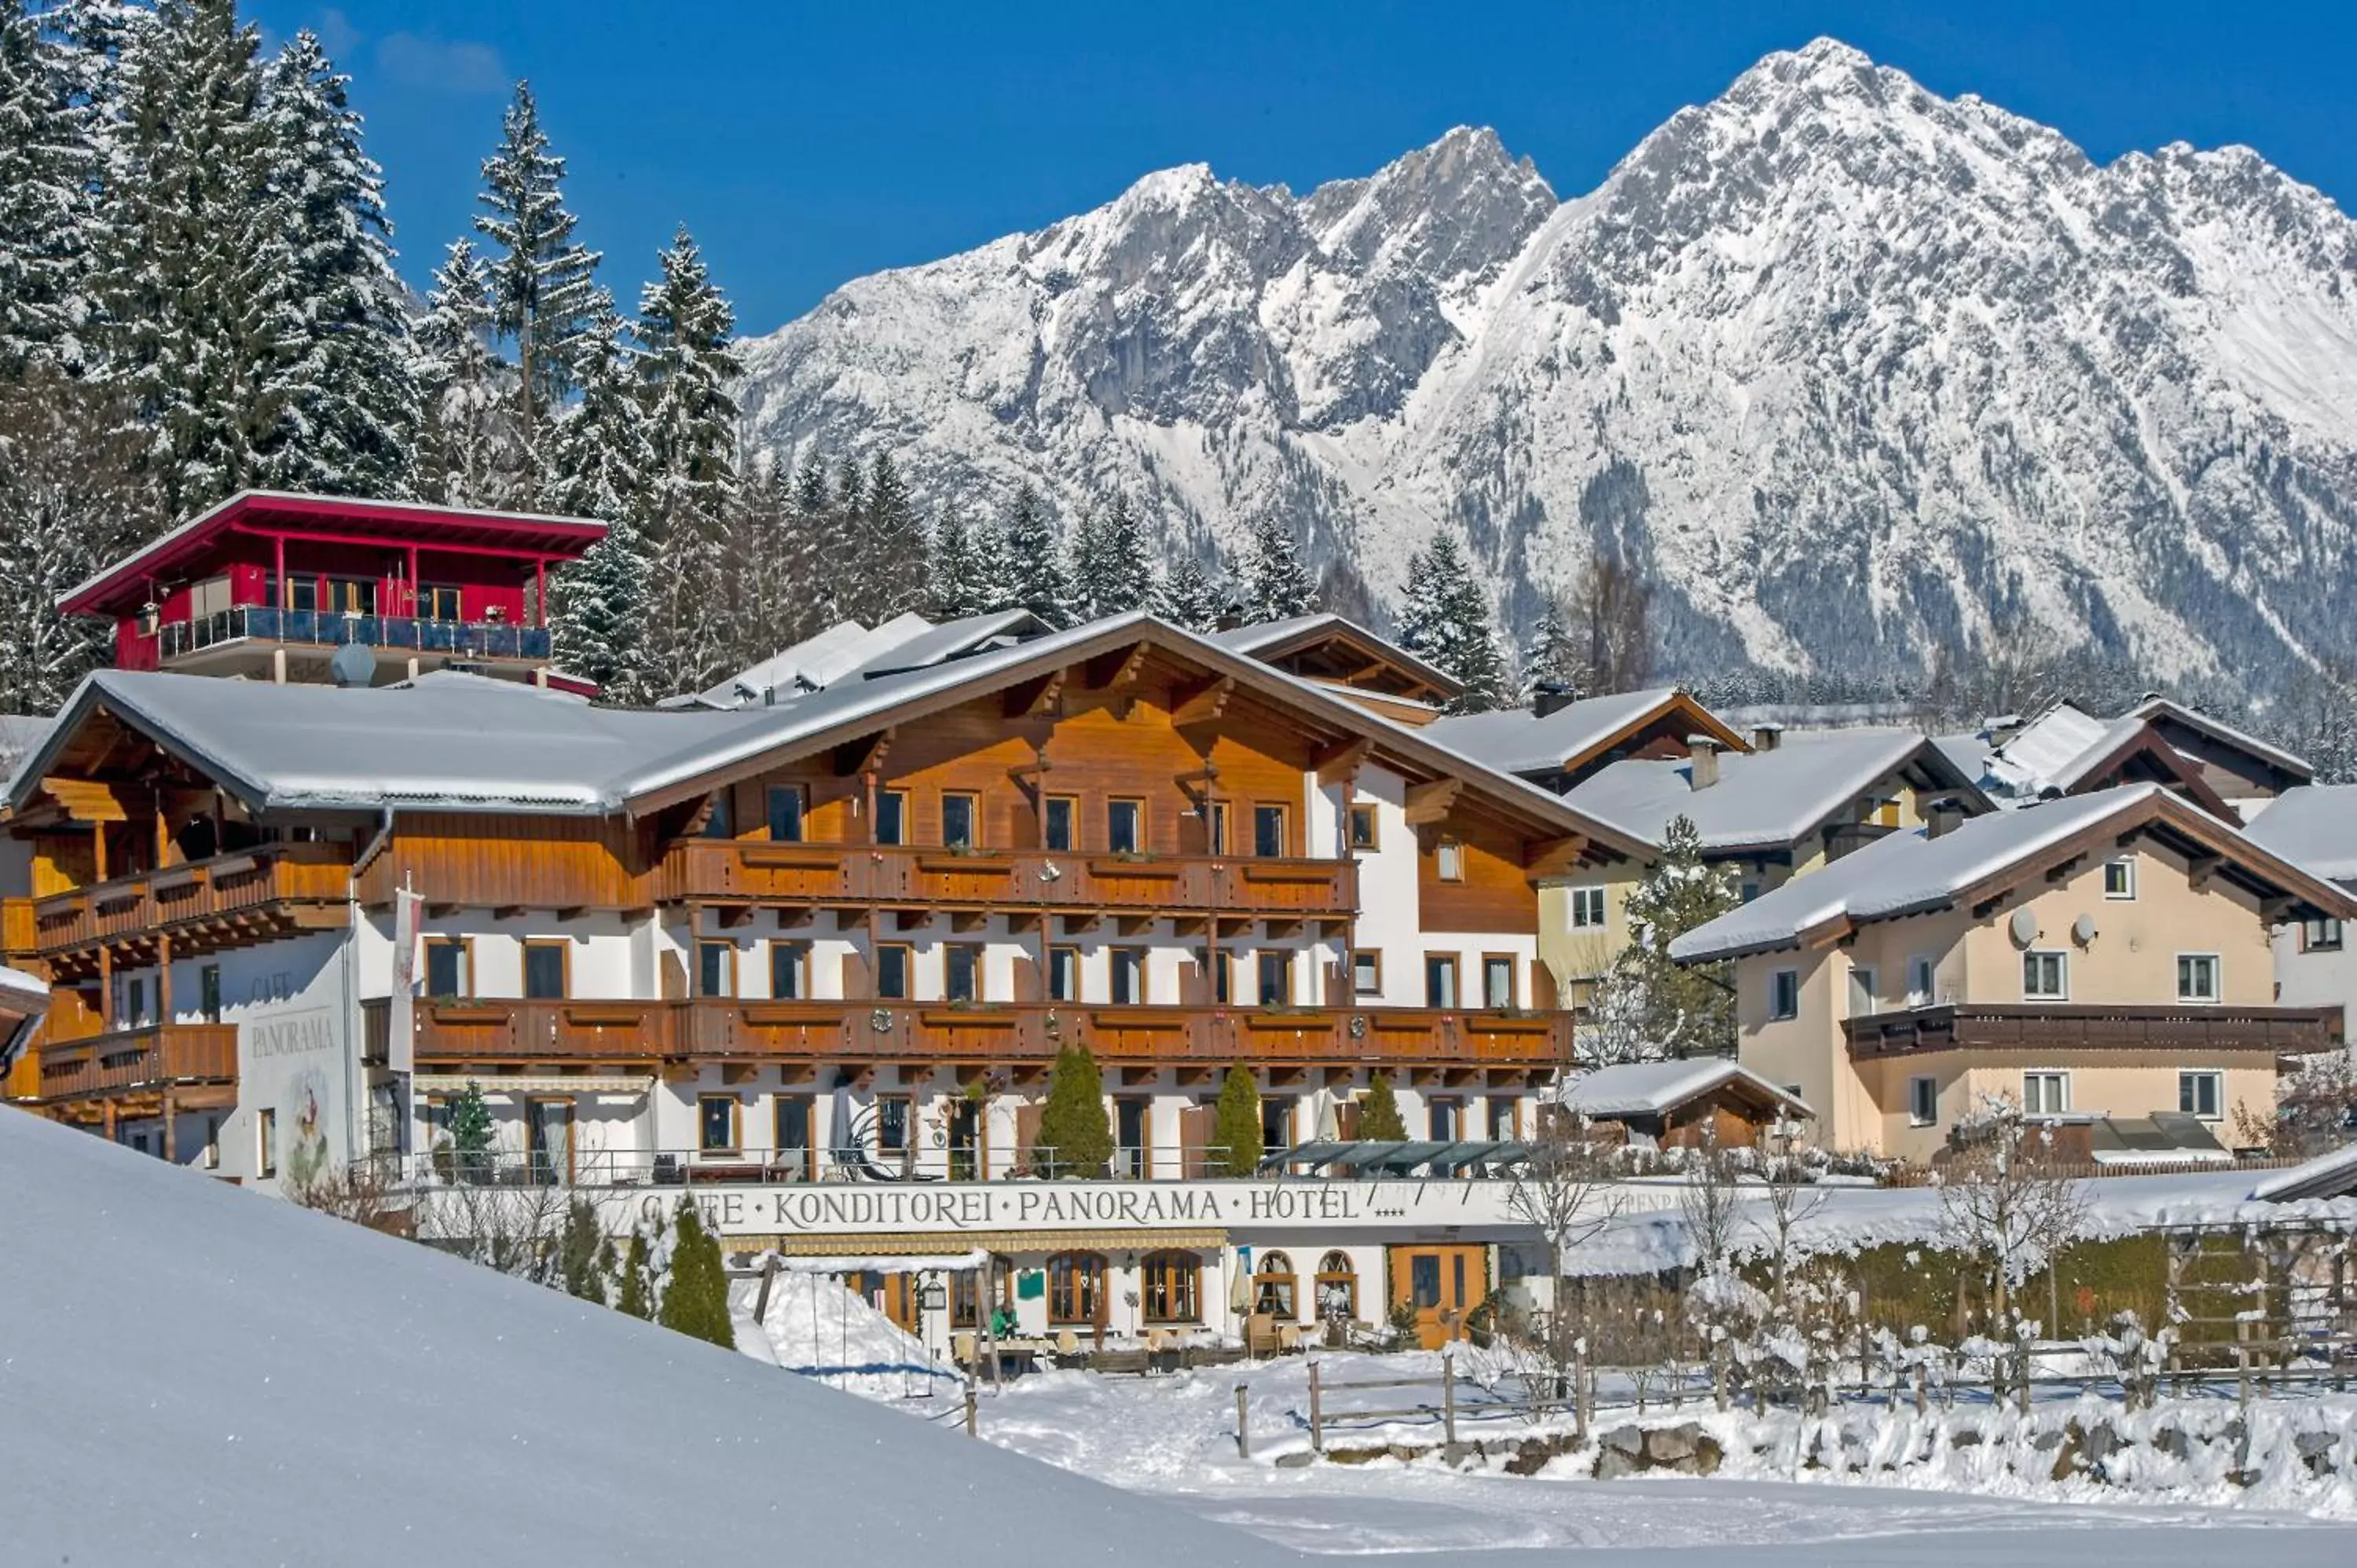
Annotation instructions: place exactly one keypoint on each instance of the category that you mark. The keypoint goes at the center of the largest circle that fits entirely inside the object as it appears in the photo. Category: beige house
(2100, 958)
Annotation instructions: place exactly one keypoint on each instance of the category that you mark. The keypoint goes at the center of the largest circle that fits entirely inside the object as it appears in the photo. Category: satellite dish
(2025, 927)
(2083, 929)
(353, 664)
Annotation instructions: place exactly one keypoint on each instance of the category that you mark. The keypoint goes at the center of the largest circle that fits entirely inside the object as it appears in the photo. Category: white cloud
(453, 65)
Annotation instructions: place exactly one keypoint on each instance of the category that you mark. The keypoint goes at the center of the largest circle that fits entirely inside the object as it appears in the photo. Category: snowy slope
(1850, 364)
(197, 1375)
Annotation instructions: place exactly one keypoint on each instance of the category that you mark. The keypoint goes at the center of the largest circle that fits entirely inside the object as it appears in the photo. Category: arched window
(1273, 1287)
(1337, 1289)
(1075, 1286)
(1169, 1287)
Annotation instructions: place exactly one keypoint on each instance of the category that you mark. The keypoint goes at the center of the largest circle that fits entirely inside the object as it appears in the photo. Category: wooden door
(1444, 1284)
(1195, 1130)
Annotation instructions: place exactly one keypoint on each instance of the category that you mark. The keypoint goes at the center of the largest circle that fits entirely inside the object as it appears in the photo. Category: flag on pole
(401, 1051)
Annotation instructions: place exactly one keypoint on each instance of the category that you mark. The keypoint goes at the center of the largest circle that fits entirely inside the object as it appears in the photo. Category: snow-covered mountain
(1855, 368)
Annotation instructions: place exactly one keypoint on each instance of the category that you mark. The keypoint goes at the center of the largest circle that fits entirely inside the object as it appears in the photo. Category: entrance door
(1443, 1285)
(548, 1128)
(965, 1139)
(1133, 1137)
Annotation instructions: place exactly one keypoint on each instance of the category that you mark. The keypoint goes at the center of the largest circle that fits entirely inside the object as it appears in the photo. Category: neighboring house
(23, 1001)
(2099, 955)
(2068, 751)
(1557, 741)
(1351, 662)
(1675, 1105)
(2314, 828)
(18, 736)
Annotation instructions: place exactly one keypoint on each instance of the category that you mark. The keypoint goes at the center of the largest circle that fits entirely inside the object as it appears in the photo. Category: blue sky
(806, 145)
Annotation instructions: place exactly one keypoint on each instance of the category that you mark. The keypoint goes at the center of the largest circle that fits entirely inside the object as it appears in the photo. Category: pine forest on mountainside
(197, 295)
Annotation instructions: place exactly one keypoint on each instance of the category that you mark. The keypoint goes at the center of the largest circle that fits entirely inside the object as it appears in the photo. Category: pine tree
(1446, 621)
(1075, 1138)
(471, 1132)
(1553, 657)
(601, 603)
(997, 587)
(1235, 1126)
(1679, 1011)
(766, 544)
(814, 602)
(634, 1292)
(686, 372)
(891, 553)
(48, 161)
(1037, 562)
(951, 590)
(584, 1257)
(541, 282)
(1275, 585)
(1379, 1113)
(354, 401)
(465, 454)
(1113, 574)
(1186, 597)
(695, 1297)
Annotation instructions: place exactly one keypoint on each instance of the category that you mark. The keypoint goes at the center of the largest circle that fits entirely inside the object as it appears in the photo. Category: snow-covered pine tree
(686, 373)
(892, 547)
(1275, 584)
(1446, 621)
(1109, 567)
(466, 451)
(603, 466)
(1679, 1011)
(950, 590)
(349, 373)
(1184, 596)
(1041, 576)
(1554, 655)
(762, 543)
(813, 603)
(541, 282)
(48, 161)
(996, 586)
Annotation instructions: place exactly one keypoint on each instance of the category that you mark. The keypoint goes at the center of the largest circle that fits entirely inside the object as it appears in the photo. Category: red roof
(124, 587)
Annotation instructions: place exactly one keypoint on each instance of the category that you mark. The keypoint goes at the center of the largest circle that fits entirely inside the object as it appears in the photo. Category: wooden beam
(1133, 925)
(1341, 764)
(507, 911)
(1087, 920)
(1283, 927)
(739, 1072)
(87, 799)
(1196, 1076)
(910, 919)
(1553, 856)
(2062, 870)
(1119, 669)
(969, 920)
(2200, 868)
(1204, 701)
(1432, 801)
(1036, 698)
(1131, 1076)
(734, 915)
(865, 755)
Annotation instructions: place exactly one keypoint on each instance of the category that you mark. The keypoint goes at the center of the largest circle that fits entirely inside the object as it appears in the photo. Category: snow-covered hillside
(1853, 367)
(195, 1375)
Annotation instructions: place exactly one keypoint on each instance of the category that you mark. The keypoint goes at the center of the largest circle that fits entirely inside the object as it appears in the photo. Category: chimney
(1703, 750)
(1767, 736)
(1551, 697)
(1941, 816)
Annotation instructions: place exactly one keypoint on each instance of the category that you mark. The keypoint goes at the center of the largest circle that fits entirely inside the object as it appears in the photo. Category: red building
(268, 586)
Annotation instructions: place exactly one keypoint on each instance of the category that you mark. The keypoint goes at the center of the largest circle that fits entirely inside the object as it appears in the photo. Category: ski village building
(807, 945)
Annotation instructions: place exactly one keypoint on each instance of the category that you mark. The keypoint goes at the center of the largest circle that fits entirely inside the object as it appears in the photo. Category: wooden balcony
(452, 1034)
(134, 1061)
(2093, 1027)
(202, 906)
(752, 873)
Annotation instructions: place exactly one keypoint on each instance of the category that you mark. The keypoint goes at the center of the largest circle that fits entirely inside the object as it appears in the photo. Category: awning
(938, 1243)
(495, 1088)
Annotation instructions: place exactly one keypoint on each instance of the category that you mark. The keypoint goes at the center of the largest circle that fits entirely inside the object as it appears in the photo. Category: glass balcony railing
(333, 629)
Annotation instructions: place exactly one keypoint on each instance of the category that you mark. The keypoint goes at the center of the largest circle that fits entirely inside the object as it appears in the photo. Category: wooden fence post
(973, 1408)
(1448, 1398)
(761, 1301)
(1244, 1428)
(1317, 1426)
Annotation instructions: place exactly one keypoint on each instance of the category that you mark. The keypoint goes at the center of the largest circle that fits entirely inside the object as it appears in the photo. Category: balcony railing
(465, 1032)
(2098, 1026)
(894, 877)
(227, 888)
(333, 629)
(155, 1058)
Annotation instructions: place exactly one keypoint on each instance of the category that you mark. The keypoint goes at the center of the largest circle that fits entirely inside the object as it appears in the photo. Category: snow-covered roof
(1518, 740)
(1915, 872)
(1272, 638)
(2327, 1175)
(504, 1422)
(2194, 718)
(2314, 827)
(2054, 750)
(1763, 800)
(848, 651)
(19, 734)
(1652, 1089)
(17, 987)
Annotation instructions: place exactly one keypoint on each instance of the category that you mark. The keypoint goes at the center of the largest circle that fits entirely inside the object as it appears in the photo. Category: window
(1125, 826)
(1363, 828)
(1784, 994)
(891, 816)
(1215, 827)
(2045, 976)
(892, 1123)
(2045, 1093)
(1275, 1123)
(1273, 980)
(543, 970)
(438, 604)
(212, 1143)
(1169, 1287)
(266, 1137)
(1063, 974)
(892, 971)
(2119, 878)
(786, 813)
(1055, 824)
(1133, 1137)
(1449, 861)
(788, 971)
(1586, 908)
(352, 595)
(2197, 977)
(1075, 1286)
(2319, 935)
(1497, 982)
(1366, 973)
(302, 593)
(962, 973)
(1268, 832)
(1501, 1118)
(1223, 967)
(715, 1123)
(1445, 1119)
(209, 993)
(2201, 1094)
(789, 1115)
(1273, 1286)
(1923, 1101)
(1919, 980)
(1128, 977)
(1440, 979)
(716, 969)
(1338, 1288)
(961, 820)
(1862, 990)
(130, 1001)
(548, 1139)
(720, 822)
(1749, 891)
